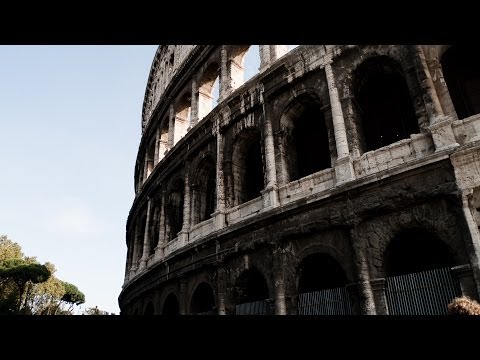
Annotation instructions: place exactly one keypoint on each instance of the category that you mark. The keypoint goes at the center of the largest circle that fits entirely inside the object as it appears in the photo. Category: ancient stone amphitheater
(337, 180)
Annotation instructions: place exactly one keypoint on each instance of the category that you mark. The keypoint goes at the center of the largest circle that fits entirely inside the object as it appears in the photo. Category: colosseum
(337, 180)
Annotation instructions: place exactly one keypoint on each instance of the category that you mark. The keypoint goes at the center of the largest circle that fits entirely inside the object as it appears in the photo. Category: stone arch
(150, 158)
(203, 300)
(416, 249)
(163, 145)
(155, 224)
(237, 56)
(247, 166)
(320, 271)
(182, 116)
(174, 209)
(304, 143)
(383, 103)
(204, 190)
(460, 66)
(171, 305)
(149, 309)
(250, 286)
(142, 226)
(208, 82)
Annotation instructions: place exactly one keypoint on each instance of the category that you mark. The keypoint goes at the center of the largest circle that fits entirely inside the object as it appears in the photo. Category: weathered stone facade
(333, 167)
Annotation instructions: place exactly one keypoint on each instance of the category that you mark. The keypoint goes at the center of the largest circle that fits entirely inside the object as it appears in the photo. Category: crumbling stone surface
(218, 193)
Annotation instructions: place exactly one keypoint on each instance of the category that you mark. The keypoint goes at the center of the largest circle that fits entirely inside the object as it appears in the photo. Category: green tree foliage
(45, 297)
(9, 249)
(72, 295)
(28, 287)
(21, 271)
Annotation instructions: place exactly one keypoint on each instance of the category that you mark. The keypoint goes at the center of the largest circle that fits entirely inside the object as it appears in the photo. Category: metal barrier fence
(422, 293)
(325, 302)
(262, 307)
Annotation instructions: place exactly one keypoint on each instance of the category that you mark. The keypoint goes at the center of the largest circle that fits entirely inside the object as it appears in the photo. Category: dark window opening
(210, 196)
(320, 272)
(176, 200)
(383, 103)
(311, 141)
(251, 286)
(253, 170)
(171, 307)
(149, 309)
(416, 250)
(462, 75)
(203, 300)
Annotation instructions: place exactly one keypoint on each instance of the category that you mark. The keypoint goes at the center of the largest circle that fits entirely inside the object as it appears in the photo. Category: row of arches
(412, 250)
(304, 141)
(384, 109)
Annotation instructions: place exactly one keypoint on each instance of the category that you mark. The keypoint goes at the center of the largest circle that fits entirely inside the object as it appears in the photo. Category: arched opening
(383, 104)
(251, 294)
(155, 226)
(322, 287)
(208, 84)
(135, 312)
(150, 158)
(305, 147)
(141, 235)
(419, 280)
(203, 300)
(182, 117)
(247, 166)
(149, 309)
(175, 209)
(251, 62)
(462, 75)
(415, 250)
(204, 191)
(244, 64)
(320, 272)
(163, 146)
(171, 307)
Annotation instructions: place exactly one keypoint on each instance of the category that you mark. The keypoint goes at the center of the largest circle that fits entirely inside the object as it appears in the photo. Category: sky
(70, 126)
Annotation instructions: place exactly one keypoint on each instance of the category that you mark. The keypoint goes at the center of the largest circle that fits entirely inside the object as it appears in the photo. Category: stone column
(156, 156)
(194, 105)
(270, 193)
(128, 264)
(182, 297)
(473, 243)
(136, 246)
(277, 51)
(221, 289)
(171, 126)
(161, 232)
(464, 275)
(146, 237)
(183, 234)
(219, 214)
(440, 124)
(186, 202)
(378, 289)
(343, 165)
(145, 166)
(264, 52)
(279, 283)
(269, 54)
(224, 83)
(435, 70)
(365, 292)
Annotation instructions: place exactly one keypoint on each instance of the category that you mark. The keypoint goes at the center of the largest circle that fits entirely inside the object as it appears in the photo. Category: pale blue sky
(70, 129)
